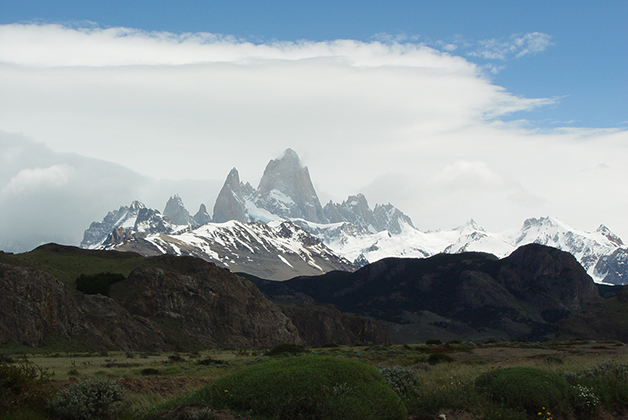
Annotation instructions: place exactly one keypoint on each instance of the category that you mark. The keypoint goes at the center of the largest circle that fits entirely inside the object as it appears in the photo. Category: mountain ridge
(351, 234)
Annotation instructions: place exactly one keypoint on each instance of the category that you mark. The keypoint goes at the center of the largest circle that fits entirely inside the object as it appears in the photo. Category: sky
(450, 110)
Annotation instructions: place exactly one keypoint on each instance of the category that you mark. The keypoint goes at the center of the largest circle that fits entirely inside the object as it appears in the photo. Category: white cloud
(31, 180)
(385, 118)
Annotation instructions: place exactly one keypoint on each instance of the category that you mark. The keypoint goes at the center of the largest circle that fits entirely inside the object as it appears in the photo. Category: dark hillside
(462, 295)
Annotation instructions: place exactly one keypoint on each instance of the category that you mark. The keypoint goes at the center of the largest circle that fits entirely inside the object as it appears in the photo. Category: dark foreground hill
(461, 296)
(162, 303)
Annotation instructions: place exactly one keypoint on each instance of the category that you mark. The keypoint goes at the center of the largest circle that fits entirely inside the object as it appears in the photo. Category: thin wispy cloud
(516, 46)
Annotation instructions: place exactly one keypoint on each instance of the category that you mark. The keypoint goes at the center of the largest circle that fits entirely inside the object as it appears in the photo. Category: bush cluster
(527, 389)
(403, 381)
(92, 399)
(100, 283)
(22, 386)
(605, 382)
(284, 348)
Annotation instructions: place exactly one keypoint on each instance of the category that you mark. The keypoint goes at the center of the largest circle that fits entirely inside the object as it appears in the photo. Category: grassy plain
(446, 388)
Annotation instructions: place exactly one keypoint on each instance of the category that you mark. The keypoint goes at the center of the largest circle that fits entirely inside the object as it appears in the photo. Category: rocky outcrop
(217, 307)
(38, 310)
(230, 204)
(177, 213)
(518, 297)
(324, 325)
(605, 320)
(355, 210)
(174, 303)
(286, 190)
(202, 217)
(136, 218)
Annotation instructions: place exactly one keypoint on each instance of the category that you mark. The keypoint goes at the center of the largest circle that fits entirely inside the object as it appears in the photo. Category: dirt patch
(162, 385)
(506, 353)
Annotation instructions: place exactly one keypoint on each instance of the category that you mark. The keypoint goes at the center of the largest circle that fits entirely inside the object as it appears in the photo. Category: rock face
(286, 190)
(37, 309)
(217, 307)
(202, 217)
(136, 218)
(356, 211)
(323, 325)
(167, 303)
(231, 204)
(176, 212)
(607, 320)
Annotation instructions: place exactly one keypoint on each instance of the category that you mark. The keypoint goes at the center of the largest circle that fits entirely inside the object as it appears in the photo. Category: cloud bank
(399, 121)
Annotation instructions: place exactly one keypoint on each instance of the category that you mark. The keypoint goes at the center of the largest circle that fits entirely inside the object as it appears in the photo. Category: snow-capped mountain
(280, 229)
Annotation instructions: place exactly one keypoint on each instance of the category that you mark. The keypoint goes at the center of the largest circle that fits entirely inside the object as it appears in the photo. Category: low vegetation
(568, 380)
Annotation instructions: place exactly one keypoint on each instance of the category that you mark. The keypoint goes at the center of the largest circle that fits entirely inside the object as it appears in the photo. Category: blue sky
(584, 68)
(450, 110)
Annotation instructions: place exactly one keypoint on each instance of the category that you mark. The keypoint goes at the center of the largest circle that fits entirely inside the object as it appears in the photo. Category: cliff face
(322, 325)
(215, 306)
(36, 309)
(171, 303)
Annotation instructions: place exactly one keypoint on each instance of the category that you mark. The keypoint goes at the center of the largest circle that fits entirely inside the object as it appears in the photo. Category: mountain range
(280, 230)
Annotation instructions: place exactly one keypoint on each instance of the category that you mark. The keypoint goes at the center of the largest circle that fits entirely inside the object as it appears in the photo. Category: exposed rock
(177, 302)
(230, 204)
(37, 309)
(177, 213)
(202, 217)
(607, 320)
(286, 190)
(34, 306)
(322, 325)
(613, 268)
(216, 306)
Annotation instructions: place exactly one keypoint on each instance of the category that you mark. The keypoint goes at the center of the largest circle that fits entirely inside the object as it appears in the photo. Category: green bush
(92, 399)
(403, 381)
(22, 385)
(304, 387)
(437, 358)
(285, 348)
(97, 283)
(527, 389)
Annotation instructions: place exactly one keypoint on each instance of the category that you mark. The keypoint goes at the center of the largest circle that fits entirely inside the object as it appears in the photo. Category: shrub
(607, 382)
(22, 385)
(437, 358)
(97, 283)
(304, 387)
(285, 348)
(150, 371)
(527, 389)
(403, 381)
(92, 399)
(433, 341)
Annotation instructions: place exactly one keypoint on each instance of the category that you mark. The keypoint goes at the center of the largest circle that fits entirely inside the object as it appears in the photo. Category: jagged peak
(290, 155)
(608, 234)
(471, 225)
(137, 205)
(356, 200)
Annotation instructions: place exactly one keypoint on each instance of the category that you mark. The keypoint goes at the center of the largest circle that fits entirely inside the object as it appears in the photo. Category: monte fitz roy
(280, 230)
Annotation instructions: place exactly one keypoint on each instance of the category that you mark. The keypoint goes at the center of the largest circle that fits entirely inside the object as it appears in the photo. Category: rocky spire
(230, 204)
(202, 217)
(176, 211)
(286, 189)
